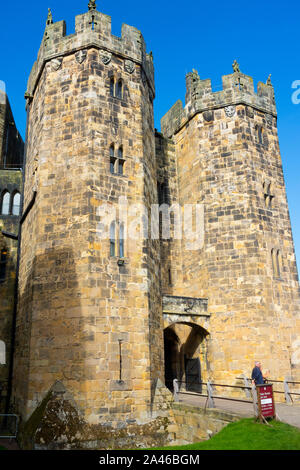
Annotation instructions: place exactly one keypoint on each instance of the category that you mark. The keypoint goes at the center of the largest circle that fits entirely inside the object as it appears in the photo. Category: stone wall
(194, 424)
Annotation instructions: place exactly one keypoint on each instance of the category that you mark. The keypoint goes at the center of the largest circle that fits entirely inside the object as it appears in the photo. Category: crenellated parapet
(92, 29)
(238, 88)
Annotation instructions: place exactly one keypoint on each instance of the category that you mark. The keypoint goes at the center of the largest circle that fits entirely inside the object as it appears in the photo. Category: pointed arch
(16, 203)
(5, 203)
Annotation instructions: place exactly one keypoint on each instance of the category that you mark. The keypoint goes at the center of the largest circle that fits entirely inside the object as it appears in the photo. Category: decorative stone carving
(129, 66)
(105, 56)
(208, 116)
(268, 82)
(236, 67)
(229, 111)
(81, 56)
(269, 119)
(49, 18)
(92, 5)
(56, 63)
(249, 112)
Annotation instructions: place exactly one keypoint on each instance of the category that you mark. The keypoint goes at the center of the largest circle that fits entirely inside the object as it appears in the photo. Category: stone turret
(225, 147)
(92, 29)
(238, 88)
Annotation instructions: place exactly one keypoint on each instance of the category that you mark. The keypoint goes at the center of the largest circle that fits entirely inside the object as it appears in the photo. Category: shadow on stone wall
(50, 330)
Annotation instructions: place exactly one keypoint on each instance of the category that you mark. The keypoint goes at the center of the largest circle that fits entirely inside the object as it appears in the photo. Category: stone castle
(95, 329)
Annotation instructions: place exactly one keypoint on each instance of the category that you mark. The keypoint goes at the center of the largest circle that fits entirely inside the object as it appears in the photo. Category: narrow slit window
(121, 241)
(3, 264)
(120, 161)
(2, 353)
(112, 159)
(119, 89)
(276, 262)
(260, 134)
(112, 237)
(112, 87)
(170, 276)
(121, 167)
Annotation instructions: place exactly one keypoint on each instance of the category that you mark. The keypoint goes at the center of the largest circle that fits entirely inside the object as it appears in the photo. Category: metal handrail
(241, 387)
(287, 392)
(274, 381)
(216, 385)
(216, 396)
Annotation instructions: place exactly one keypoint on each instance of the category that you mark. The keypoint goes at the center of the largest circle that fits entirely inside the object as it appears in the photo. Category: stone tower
(226, 151)
(89, 329)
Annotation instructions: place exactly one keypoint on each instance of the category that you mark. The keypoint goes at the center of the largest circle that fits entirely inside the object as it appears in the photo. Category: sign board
(265, 400)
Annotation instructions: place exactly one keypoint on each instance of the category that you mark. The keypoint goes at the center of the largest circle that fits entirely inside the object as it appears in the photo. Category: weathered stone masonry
(228, 158)
(101, 333)
(77, 305)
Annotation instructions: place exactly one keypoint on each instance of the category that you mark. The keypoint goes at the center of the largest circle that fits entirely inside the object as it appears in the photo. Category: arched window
(121, 241)
(119, 89)
(3, 264)
(16, 205)
(112, 158)
(5, 203)
(112, 236)
(112, 87)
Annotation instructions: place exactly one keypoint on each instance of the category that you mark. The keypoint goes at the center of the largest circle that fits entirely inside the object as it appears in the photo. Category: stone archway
(185, 355)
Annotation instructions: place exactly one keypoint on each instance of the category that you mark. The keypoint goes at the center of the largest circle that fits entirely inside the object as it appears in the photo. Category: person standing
(257, 376)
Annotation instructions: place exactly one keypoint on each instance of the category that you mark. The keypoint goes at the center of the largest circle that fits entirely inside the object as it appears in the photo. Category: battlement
(92, 29)
(238, 88)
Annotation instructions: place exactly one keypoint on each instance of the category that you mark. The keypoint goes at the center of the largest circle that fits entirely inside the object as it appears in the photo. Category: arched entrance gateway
(185, 346)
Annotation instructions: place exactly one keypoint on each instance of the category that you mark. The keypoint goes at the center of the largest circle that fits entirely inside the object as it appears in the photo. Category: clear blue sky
(262, 35)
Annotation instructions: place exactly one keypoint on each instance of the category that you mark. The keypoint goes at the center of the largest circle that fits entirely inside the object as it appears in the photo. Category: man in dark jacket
(257, 377)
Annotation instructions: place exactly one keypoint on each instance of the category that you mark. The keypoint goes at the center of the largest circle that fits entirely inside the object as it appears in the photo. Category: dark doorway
(171, 344)
(193, 374)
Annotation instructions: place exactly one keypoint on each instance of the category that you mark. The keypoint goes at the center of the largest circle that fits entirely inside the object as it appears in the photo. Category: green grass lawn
(247, 434)
(2, 448)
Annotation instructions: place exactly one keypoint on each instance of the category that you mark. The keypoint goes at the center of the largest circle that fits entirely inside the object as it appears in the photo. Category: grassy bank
(247, 434)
